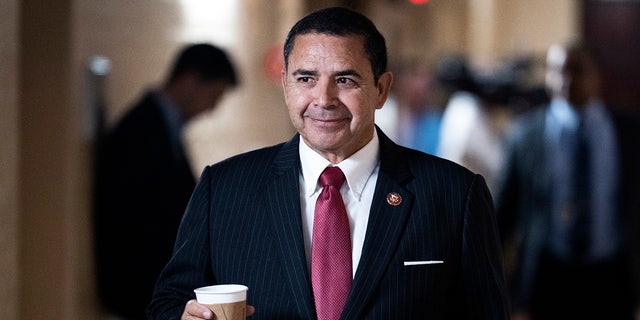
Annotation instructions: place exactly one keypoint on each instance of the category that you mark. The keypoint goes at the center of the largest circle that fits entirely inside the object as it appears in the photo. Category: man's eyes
(304, 79)
(340, 81)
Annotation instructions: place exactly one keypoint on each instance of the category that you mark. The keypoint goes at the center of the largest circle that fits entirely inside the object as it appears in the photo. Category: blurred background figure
(520, 81)
(419, 111)
(475, 117)
(568, 200)
(144, 179)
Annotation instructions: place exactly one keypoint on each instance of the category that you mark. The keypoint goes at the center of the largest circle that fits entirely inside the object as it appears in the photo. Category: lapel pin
(394, 199)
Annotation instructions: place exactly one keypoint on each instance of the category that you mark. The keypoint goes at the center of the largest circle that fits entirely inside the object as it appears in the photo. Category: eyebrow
(349, 72)
(304, 72)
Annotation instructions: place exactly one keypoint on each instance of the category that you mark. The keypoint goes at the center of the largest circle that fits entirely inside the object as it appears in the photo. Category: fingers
(195, 311)
(251, 310)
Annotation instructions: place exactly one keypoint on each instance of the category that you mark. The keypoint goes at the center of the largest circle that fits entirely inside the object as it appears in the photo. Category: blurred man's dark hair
(207, 61)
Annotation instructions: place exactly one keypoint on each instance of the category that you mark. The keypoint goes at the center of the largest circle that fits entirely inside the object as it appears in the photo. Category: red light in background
(418, 1)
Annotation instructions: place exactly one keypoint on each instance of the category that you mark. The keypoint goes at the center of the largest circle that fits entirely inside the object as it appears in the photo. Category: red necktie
(331, 273)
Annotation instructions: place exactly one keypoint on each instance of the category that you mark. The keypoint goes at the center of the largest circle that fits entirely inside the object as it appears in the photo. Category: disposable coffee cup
(226, 301)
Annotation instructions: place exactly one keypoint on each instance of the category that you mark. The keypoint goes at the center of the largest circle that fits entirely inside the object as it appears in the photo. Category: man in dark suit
(423, 238)
(144, 179)
(568, 202)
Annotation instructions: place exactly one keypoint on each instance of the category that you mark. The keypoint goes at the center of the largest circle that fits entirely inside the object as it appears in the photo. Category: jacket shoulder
(259, 156)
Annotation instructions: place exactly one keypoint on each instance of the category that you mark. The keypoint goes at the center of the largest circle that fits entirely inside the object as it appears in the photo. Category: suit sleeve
(485, 294)
(506, 193)
(190, 266)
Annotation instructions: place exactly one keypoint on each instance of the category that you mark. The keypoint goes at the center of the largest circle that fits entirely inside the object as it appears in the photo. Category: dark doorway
(613, 28)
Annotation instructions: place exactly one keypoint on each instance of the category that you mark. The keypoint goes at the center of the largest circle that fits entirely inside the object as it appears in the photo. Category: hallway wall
(485, 30)
(9, 158)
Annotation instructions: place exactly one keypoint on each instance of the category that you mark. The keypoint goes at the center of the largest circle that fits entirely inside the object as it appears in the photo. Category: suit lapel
(282, 202)
(386, 225)
(387, 222)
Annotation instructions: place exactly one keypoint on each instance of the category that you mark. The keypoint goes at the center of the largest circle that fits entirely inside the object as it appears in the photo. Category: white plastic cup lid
(222, 293)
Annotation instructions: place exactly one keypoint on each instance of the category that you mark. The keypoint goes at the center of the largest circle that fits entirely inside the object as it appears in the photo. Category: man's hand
(195, 311)
(520, 316)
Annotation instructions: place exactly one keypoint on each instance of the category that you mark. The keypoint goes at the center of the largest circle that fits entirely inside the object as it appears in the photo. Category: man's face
(331, 95)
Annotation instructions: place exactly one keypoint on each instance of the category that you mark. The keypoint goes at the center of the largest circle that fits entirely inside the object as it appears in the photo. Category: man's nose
(325, 94)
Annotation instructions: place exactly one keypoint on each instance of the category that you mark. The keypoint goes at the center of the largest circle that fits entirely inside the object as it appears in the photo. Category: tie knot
(332, 176)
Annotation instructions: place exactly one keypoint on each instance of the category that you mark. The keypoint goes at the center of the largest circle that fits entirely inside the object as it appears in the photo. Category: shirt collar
(357, 168)
(565, 116)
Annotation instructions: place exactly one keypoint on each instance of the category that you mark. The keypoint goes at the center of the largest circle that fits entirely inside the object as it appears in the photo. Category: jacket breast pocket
(418, 285)
(421, 276)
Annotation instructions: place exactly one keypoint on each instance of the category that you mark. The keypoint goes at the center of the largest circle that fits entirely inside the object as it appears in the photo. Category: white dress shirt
(361, 172)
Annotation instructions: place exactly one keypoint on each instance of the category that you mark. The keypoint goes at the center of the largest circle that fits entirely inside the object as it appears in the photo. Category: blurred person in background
(568, 200)
(144, 178)
(419, 112)
(455, 76)
(475, 117)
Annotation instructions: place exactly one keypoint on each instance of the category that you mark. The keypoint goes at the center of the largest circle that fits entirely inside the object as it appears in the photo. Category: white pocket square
(419, 263)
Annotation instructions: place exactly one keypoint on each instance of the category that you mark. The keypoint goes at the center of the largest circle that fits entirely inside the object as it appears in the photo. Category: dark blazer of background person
(525, 194)
(539, 276)
(144, 179)
(243, 226)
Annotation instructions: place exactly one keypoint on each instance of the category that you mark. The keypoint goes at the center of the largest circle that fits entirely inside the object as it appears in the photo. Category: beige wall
(46, 124)
(9, 159)
(505, 28)
(258, 104)
(138, 37)
(485, 30)
(45, 174)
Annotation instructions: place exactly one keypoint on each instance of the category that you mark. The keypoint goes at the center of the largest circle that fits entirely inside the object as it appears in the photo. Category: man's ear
(384, 86)
(283, 78)
(283, 82)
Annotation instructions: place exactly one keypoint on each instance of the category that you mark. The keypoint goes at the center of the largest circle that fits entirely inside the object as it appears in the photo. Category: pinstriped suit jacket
(243, 225)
